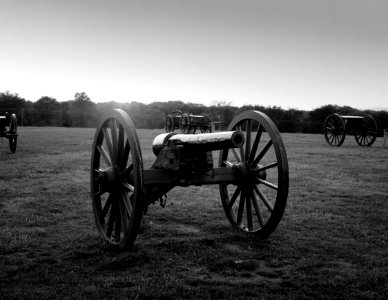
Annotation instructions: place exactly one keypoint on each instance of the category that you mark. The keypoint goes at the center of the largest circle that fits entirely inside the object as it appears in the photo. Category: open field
(332, 242)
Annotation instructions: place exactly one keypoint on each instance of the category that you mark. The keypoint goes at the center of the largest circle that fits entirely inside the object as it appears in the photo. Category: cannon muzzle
(202, 142)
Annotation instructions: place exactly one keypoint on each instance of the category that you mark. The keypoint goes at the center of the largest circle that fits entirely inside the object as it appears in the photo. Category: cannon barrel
(200, 142)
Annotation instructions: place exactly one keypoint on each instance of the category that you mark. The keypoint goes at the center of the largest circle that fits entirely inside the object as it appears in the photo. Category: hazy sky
(294, 54)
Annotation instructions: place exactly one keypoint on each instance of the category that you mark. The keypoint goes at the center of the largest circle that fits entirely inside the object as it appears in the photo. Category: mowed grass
(330, 244)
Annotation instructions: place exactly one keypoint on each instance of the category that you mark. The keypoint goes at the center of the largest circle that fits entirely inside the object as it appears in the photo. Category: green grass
(330, 244)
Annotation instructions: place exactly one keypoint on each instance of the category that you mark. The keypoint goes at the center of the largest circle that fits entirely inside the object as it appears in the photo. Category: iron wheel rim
(117, 179)
(256, 204)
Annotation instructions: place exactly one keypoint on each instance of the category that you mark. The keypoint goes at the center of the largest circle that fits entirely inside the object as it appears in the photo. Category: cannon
(252, 174)
(190, 123)
(364, 129)
(187, 123)
(8, 129)
(173, 120)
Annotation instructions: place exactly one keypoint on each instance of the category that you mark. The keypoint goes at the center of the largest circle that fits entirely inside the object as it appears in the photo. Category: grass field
(332, 242)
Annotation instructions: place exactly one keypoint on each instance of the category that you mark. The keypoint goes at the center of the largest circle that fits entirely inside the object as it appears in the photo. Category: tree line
(83, 112)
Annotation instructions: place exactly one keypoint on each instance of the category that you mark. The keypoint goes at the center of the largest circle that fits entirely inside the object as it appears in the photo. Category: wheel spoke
(104, 155)
(234, 197)
(262, 153)
(257, 210)
(120, 145)
(127, 203)
(249, 212)
(228, 163)
(128, 187)
(105, 209)
(109, 144)
(271, 185)
(263, 198)
(263, 168)
(125, 174)
(113, 130)
(125, 156)
(331, 139)
(118, 221)
(123, 215)
(236, 155)
(248, 139)
(255, 143)
(100, 193)
(241, 208)
(112, 218)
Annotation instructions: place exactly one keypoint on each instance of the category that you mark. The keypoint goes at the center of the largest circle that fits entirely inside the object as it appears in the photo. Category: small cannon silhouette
(336, 127)
(252, 174)
(8, 129)
(187, 123)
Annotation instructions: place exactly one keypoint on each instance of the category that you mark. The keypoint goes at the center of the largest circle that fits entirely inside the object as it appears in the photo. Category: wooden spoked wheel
(12, 133)
(256, 203)
(206, 126)
(12, 143)
(117, 179)
(185, 124)
(169, 123)
(334, 130)
(368, 134)
(192, 129)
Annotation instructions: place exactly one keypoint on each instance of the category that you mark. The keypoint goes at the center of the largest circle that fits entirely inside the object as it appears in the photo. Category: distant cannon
(187, 123)
(337, 126)
(8, 129)
(190, 123)
(252, 174)
(173, 120)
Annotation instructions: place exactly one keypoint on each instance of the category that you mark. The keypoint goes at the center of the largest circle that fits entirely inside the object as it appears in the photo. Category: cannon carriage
(187, 123)
(364, 129)
(252, 174)
(8, 129)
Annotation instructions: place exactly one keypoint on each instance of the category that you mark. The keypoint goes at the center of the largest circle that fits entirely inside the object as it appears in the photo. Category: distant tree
(66, 113)
(83, 111)
(221, 103)
(221, 113)
(227, 117)
(169, 106)
(136, 111)
(381, 118)
(154, 118)
(47, 112)
(81, 97)
(292, 121)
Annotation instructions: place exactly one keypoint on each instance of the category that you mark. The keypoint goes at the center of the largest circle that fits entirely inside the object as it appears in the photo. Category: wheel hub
(110, 178)
(248, 175)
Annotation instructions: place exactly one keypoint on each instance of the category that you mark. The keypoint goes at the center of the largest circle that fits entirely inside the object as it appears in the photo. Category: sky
(300, 54)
